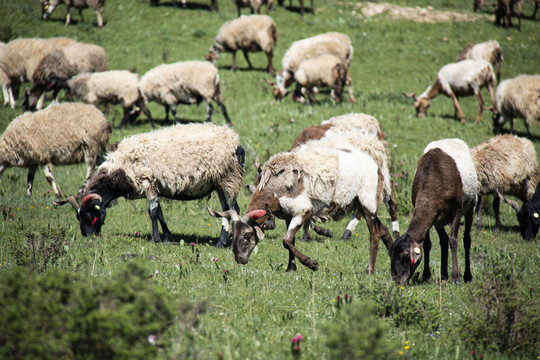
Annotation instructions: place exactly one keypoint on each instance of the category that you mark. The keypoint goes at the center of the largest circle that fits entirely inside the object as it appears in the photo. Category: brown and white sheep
(181, 162)
(249, 34)
(48, 6)
(254, 5)
(188, 82)
(490, 51)
(505, 165)
(58, 67)
(463, 78)
(444, 189)
(518, 97)
(61, 134)
(111, 87)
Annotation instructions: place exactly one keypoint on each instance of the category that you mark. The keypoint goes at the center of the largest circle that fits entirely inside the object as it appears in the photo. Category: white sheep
(249, 34)
(111, 87)
(490, 51)
(58, 67)
(254, 5)
(181, 162)
(505, 165)
(518, 97)
(463, 78)
(188, 82)
(19, 59)
(61, 134)
(48, 6)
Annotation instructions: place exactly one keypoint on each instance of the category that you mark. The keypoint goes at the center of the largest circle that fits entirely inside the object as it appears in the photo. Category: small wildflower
(152, 339)
(406, 347)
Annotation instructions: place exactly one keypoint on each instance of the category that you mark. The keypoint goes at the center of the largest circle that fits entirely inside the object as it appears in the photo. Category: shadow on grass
(189, 6)
(242, 69)
(522, 134)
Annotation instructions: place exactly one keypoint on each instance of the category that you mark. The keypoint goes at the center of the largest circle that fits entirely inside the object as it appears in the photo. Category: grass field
(253, 311)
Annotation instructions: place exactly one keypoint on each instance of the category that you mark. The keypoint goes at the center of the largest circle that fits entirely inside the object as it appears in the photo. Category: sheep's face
(212, 57)
(421, 105)
(91, 215)
(405, 256)
(245, 238)
(529, 222)
(498, 121)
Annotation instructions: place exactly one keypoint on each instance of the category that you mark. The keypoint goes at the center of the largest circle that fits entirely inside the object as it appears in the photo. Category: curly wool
(520, 97)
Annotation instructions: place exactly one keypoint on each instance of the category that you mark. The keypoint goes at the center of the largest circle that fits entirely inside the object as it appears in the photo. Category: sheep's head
(498, 121)
(405, 256)
(246, 232)
(529, 221)
(421, 104)
(211, 57)
(91, 215)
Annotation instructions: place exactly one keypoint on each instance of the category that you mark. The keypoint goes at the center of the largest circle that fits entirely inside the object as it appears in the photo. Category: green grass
(256, 309)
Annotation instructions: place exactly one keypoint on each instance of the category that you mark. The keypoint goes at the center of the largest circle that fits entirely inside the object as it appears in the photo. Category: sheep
(517, 97)
(463, 78)
(444, 189)
(528, 216)
(181, 162)
(188, 82)
(247, 33)
(19, 59)
(116, 87)
(58, 67)
(61, 134)
(333, 43)
(490, 51)
(504, 11)
(310, 184)
(280, 2)
(505, 165)
(213, 4)
(255, 5)
(48, 6)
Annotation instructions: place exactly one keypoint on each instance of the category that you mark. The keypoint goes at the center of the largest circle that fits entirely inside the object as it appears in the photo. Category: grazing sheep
(444, 189)
(333, 43)
(111, 87)
(19, 59)
(504, 11)
(58, 67)
(518, 97)
(463, 78)
(181, 162)
(249, 34)
(310, 184)
(188, 82)
(48, 6)
(213, 4)
(490, 51)
(61, 134)
(505, 165)
(255, 5)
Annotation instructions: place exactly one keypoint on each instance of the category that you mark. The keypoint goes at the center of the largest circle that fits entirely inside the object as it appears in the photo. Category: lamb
(444, 189)
(111, 87)
(255, 5)
(518, 97)
(58, 67)
(213, 4)
(333, 43)
(505, 165)
(188, 82)
(181, 162)
(463, 78)
(490, 51)
(310, 184)
(61, 134)
(19, 59)
(48, 6)
(247, 33)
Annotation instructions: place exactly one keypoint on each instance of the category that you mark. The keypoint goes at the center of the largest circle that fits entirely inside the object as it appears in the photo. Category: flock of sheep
(332, 170)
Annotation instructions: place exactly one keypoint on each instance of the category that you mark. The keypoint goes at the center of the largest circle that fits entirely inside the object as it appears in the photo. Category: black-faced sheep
(111, 87)
(529, 216)
(19, 59)
(444, 189)
(61, 134)
(505, 165)
(48, 6)
(188, 82)
(58, 67)
(490, 51)
(249, 34)
(181, 162)
(213, 4)
(463, 78)
(310, 184)
(518, 97)
(254, 5)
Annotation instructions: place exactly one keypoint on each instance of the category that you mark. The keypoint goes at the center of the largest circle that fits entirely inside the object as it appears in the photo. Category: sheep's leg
(41, 100)
(479, 214)
(125, 119)
(2, 168)
(68, 16)
(146, 112)
(50, 178)
(307, 232)
(269, 56)
(99, 18)
(519, 15)
(391, 204)
(224, 221)
(492, 95)
(526, 127)
(467, 244)
(453, 246)
(167, 107)
(351, 226)
(288, 243)
(457, 107)
(173, 111)
(496, 210)
(154, 210)
(224, 111)
(480, 106)
(443, 239)
(374, 236)
(11, 98)
(209, 111)
(426, 275)
(291, 266)
(30, 179)
(5, 93)
(322, 231)
(246, 56)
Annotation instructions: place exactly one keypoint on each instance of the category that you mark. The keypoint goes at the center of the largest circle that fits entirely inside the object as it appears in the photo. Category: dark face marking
(91, 218)
(402, 266)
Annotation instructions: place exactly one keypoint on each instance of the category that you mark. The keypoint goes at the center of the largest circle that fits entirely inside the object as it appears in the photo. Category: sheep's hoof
(312, 264)
(346, 235)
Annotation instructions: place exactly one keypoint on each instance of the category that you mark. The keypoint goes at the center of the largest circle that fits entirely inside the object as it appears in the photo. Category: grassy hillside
(254, 310)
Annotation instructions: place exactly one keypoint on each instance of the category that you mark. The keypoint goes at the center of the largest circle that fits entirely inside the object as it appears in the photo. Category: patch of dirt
(417, 14)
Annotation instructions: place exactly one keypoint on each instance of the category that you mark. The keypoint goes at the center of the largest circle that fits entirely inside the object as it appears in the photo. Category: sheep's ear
(415, 252)
(410, 95)
(259, 232)
(69, 200)
(229, 214)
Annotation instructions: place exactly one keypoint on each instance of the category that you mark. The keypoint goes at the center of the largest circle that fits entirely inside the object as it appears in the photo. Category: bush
(358, 334)
(54, 315)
